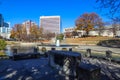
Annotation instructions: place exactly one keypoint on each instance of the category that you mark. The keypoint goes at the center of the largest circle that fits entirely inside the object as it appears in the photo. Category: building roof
(49, 16)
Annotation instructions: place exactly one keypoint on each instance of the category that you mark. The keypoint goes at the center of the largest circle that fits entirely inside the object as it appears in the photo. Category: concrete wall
(93, 33)
(118, 33)
(107, 33)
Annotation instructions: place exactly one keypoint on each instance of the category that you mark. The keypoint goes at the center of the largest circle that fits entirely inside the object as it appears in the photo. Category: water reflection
(20, 49)
(8, 50)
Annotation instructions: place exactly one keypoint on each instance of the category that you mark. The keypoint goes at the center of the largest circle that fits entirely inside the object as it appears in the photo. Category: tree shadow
(29, 69)
(109, 70)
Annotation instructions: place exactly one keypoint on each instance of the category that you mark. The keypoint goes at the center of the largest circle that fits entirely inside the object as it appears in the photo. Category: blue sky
(17, 11)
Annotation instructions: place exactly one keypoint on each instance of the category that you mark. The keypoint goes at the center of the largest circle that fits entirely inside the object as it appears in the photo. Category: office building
(1, 20)
(6, 24)
(4, 28)
(27, 24)
(69, 31)
(50, 24)
(5, 31)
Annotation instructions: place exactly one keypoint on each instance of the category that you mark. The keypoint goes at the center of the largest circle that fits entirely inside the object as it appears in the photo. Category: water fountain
(58, 43)
(56, 46)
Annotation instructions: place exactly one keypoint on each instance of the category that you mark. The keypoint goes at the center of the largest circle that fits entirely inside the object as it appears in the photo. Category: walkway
(109, 70)
(38, 69)
(31, 69)
(99, 48)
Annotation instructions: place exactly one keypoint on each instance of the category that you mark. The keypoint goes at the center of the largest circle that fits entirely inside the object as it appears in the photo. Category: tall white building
(5, 31)
(27, 24)
(50, 24)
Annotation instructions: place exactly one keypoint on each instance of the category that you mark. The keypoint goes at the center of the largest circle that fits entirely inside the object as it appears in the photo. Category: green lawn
(3, 55)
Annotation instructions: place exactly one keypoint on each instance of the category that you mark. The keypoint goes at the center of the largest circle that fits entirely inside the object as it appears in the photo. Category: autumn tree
(16, 32)
(24, 33)
(34, 32)
(20, 32)
(13, 33)
(87, 22)
(41, 32)
(60, 37)
(68, 35)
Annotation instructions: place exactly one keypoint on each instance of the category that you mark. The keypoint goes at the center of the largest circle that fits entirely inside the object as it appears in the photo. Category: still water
(20, 49)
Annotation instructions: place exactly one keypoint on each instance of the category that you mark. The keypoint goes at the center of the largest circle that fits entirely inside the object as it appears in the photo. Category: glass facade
(4, 28)
(6, 24)
(1, 20)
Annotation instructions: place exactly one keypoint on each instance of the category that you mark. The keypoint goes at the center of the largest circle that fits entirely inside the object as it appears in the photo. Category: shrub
(43, 49)
(109, 42)
(2, 44)
(60, 37)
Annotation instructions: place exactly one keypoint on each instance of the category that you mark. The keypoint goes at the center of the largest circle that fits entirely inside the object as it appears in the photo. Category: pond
(29, 49)
(20, 49)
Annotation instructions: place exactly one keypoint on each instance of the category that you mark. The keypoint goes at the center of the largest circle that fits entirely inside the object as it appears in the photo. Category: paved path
(109, 70)
(31, 69)
(38, 69)
(99, 48)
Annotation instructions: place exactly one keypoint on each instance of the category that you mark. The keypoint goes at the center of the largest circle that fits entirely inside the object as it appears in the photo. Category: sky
(18, 11)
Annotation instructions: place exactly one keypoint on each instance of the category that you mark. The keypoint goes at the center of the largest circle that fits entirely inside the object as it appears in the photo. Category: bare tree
(115, 25)
(48, 35)
(100, 26)
(112, 7)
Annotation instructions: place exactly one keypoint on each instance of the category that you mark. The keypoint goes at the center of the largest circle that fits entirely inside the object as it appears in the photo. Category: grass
(3, 55)
(87, 40)
(116, 57)
(110, 42)
(11, 42)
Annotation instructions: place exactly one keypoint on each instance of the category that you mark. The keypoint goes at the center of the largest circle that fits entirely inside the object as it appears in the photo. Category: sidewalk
(109, 70)
(2, 67)
(98, 48)
(38, 69)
